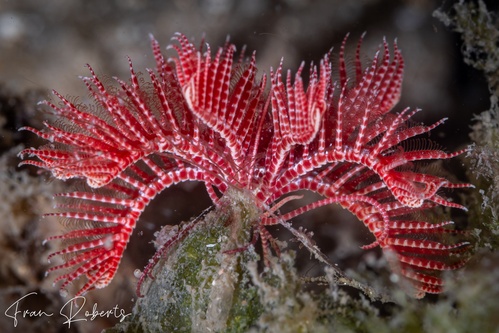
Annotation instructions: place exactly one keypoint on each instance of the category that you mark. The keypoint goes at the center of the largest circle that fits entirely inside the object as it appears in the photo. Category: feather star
(212, 119)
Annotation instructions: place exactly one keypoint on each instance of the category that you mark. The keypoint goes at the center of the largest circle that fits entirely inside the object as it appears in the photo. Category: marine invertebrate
(209, 118)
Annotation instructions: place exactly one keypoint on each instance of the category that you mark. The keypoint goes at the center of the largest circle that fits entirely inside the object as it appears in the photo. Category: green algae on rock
(198, 285)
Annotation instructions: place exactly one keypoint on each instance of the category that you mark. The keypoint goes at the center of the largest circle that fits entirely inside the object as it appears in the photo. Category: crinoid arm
(211, 118)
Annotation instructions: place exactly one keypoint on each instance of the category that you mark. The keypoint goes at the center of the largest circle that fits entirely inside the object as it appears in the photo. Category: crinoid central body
(209, 117)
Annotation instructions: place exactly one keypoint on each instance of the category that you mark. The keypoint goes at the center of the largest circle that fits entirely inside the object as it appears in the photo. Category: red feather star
(211, 119)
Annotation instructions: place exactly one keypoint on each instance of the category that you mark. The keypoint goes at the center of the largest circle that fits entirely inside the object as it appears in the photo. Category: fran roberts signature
(72, 311)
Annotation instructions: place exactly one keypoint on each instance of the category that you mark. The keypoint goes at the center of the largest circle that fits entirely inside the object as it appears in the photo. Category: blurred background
(45, 45)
